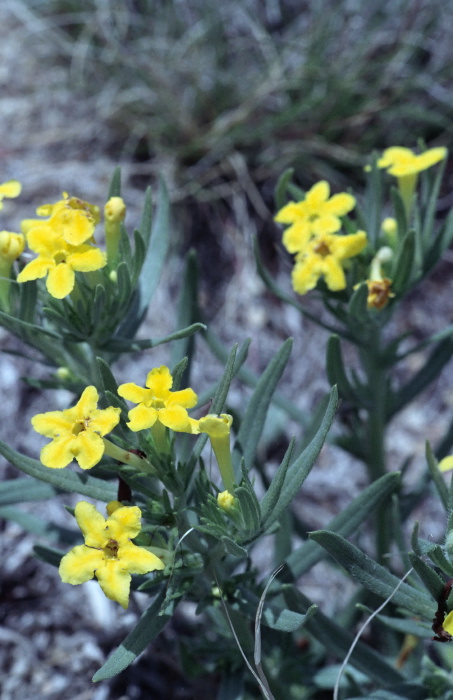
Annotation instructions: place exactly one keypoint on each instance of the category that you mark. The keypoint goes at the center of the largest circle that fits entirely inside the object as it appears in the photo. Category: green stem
(375, 434)
(126, 457)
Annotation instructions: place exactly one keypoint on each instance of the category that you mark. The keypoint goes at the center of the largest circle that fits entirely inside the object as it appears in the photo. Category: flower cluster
(313, 236)
(63, 243)
(78, 433)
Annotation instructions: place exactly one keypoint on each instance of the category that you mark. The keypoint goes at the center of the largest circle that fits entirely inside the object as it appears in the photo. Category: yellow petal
(60, 281)
(343, 247)
(137, 560)
(78, 565)
(51, 424)
(318, 194)
(73, 225)
(58, 453)
(134, 393)
(160, 381)
(296, 237)
(216, 426)
(185, 397)
(334, 275)
(305, 275)
(141, 418)
(291, 212)
(11, 188)
(35, 269)
(114, 582)
(43, 240)
(87, 259)
(102, 421)
(88, 402)
(124, 524)
(88, 449)
(174, 417)
(92, 524)
(446, 464)
(340, 204)
(448, 623)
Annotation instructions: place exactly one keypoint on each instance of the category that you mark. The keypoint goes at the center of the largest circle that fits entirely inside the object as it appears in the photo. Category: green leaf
(358, 309)
(286, 620)
(63, 479)
(345, 523)
(404, 264)
(187, 312)
(231, 547)
(433, 366)
(281, 188)
(272, 495)
(250, 509)
(255, 415)
(338, 641)
(115, 184)
(336, 373)
(24, 490)
(121, 344)
(149, 626)
(39, 527)
(300, 469)
(48, 554)
(436, 476)
(432, 581)
(373, 576)
(147, 217)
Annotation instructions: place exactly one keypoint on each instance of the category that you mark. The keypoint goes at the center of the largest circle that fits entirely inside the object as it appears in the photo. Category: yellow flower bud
(225, 500)
(115, 210)
(11, 245)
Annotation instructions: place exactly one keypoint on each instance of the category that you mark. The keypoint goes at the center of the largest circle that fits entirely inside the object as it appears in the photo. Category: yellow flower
(9, 189)
(108, 551)
(59, 260)
(402, 161)
(158, 404)
(323, 257)
(315, 215)
(11, 245)
(218, 429)
(76, 432)
(225, 500)
(114, 213)
(71, 217)
(405, 165)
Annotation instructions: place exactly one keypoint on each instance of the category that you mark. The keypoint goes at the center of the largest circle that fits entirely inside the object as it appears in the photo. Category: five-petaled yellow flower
(323, 257)
(59, 260)
(400, 162)
(76, 432)
(108, 552)
(9, 189)
(158, 404)
(313, 216)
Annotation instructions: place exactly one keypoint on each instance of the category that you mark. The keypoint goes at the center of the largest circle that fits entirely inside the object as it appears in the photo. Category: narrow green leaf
(48, 554)
(436, 476)
(300, 469)
(287, 620)
(433, 366)
(63, 479)
(124, 283)
(115, 184)
(336, 372)
(250, 509)
(187, 311)
(281, 187)
(149, 626)
(121, 344)
(139, 256)
(338, 641)
(400, 210)
(147, 217)
(404, 264)
(345, 523)
(231, 547)
(24, 490)
(432, 581)
(357, 307)
(255, 415)
(272, 495)
(373, 576)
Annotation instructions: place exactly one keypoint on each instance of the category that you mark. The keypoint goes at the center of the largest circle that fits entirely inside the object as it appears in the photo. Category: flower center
(322, 249)
(60, 258)
(111, 549)
(80, 426)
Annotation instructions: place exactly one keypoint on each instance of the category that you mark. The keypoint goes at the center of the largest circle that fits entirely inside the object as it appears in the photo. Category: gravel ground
(53, 637)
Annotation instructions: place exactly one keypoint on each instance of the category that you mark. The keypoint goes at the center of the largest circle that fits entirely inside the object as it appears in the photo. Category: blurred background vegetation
(220, 96)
